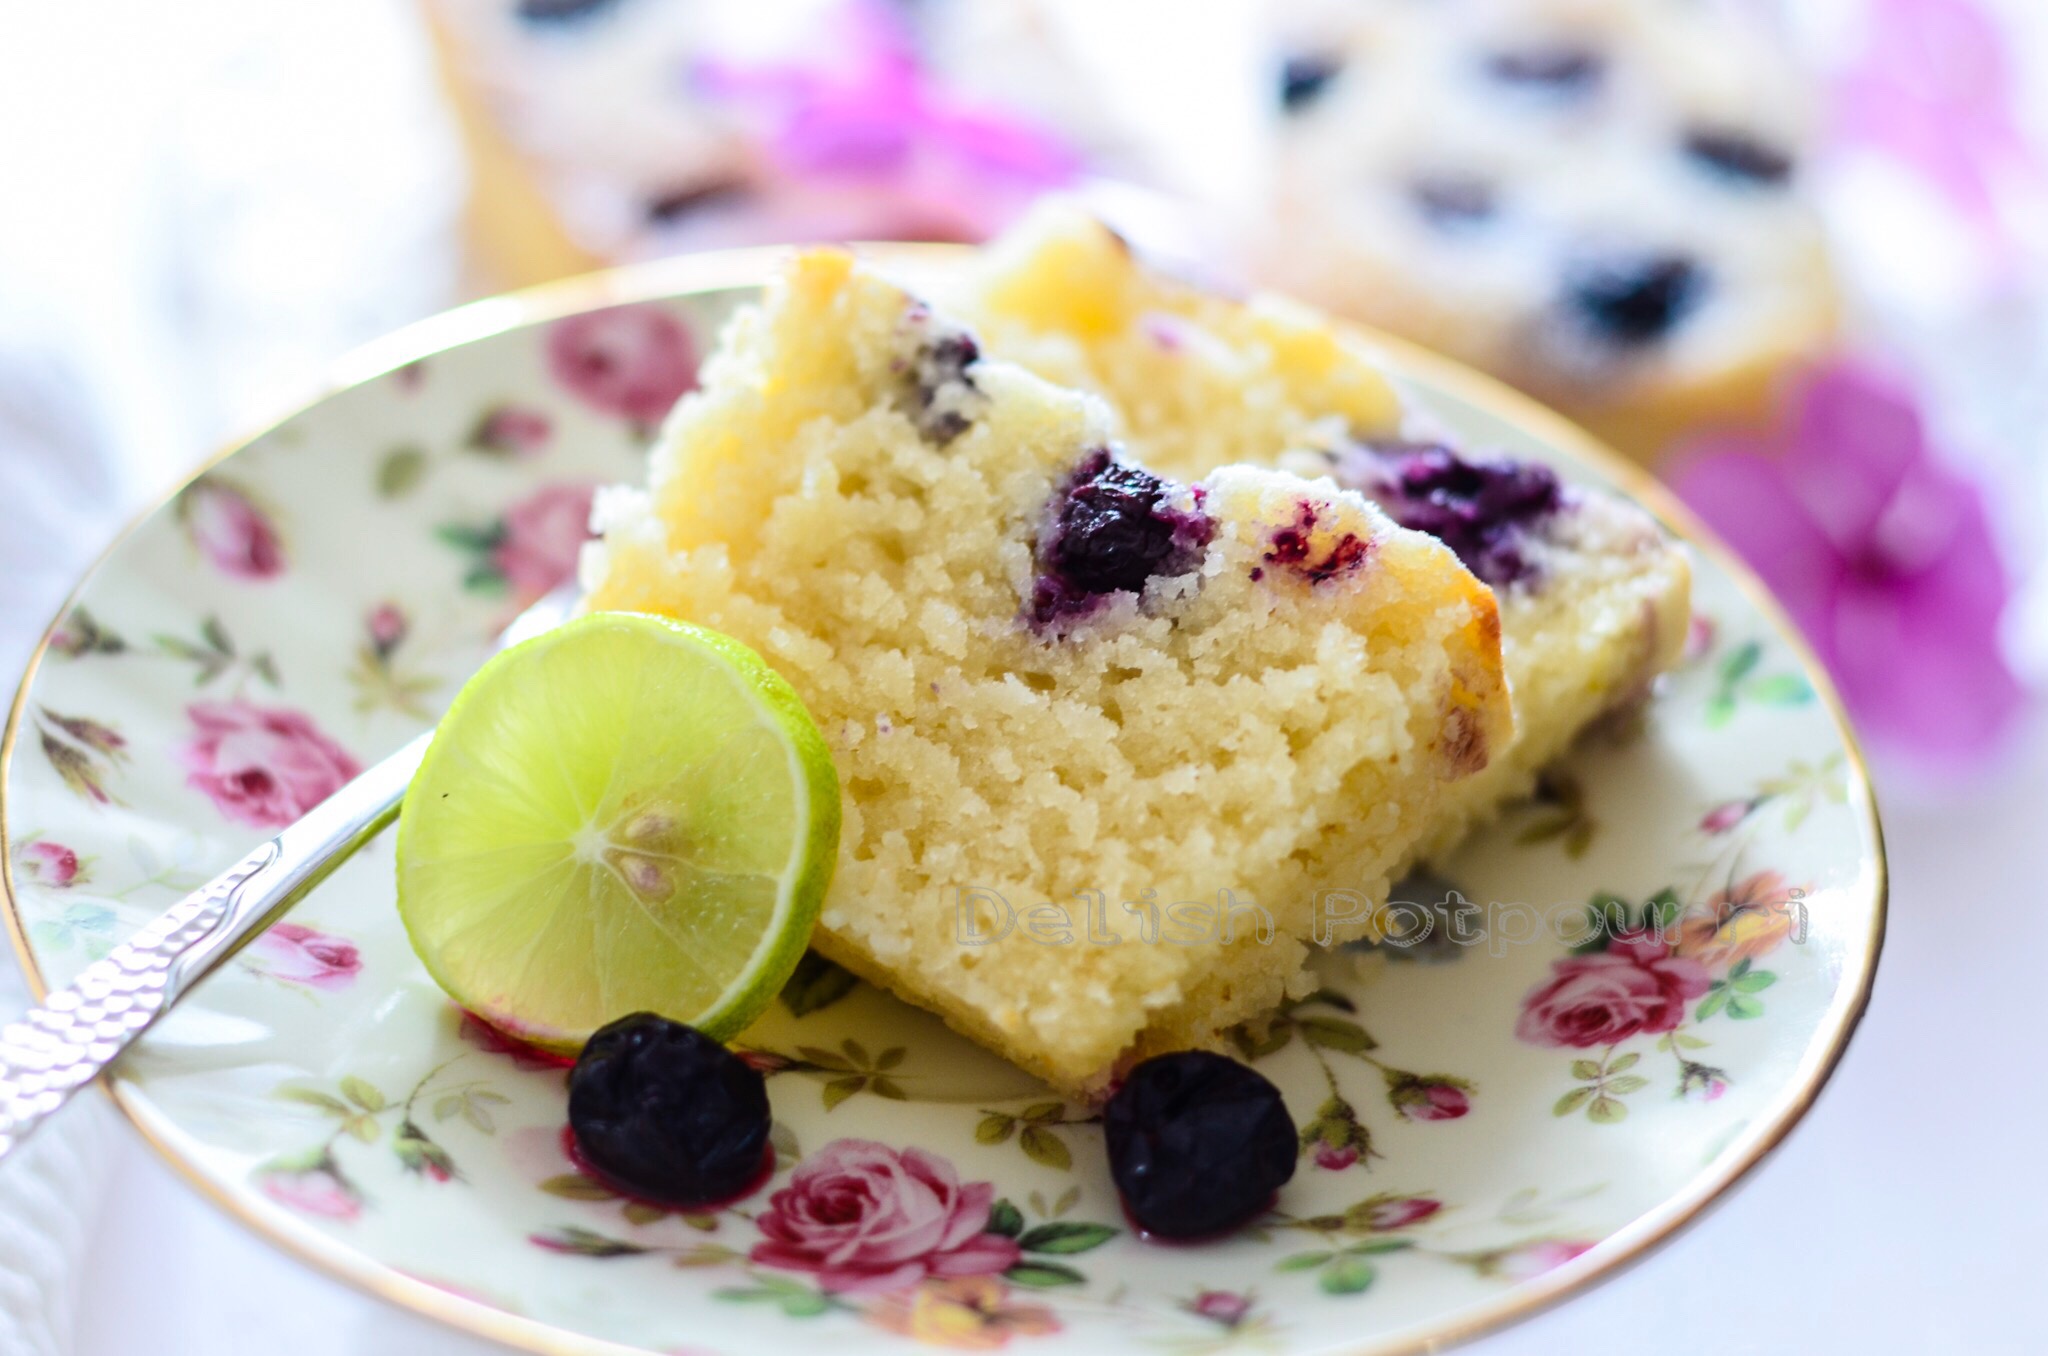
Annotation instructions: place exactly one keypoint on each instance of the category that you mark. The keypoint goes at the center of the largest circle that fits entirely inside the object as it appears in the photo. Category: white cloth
(203, 204)
(61, 493)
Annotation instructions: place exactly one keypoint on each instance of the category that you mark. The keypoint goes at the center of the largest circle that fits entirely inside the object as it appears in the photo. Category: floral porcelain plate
(1628, 990)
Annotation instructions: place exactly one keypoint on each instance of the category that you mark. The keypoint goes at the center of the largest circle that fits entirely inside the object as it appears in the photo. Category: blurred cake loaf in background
(603, 131)
(1597, 200)
(1600, 201)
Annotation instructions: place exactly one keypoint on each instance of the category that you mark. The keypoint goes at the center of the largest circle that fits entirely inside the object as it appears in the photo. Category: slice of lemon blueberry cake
(1076, 707)
(1594, 597)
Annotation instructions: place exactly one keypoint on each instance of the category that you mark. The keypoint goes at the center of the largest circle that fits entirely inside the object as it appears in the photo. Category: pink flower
(864, 1217)
(1400, 1212)
(319, 1189)
(1726, 816)
(1533, 1259)
(1700, 1082)
(1431, 1099)
(1335, 1157)
(1932, 88)
(262, 766)
(543, 534)
(230, 530)
(1610, 995)
(1882, 554)
(867, 119)
(299, 955)
(514, 430)
(1227, 1308)
(632, 362)
(387, 627)
(50, 864)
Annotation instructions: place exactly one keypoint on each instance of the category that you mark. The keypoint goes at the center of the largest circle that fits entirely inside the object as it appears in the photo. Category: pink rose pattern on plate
(262, 766)
(227, 527)
(51, 864)
(888, 1235)
(861, 1216)
(532, 547)
(1665, 967)
(631, 362)
(1606, 998)
(295, 954)
(543, 534)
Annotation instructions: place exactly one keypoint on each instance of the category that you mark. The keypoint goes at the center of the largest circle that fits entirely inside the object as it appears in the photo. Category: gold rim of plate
(718, 270)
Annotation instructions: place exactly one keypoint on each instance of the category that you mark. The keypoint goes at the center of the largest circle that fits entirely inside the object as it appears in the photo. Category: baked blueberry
(1110, 530)
(1738, 156)
(1294, 547)
(668, 208)
(1562, 71)
(544, 12)
(1450, 201)
(942, 389)
(1198, 1143)
(667, 1114)
(1483, 509)
(1303, 79)
(1632, 300)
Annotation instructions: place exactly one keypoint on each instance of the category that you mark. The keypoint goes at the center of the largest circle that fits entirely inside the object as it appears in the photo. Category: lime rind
(626, 813)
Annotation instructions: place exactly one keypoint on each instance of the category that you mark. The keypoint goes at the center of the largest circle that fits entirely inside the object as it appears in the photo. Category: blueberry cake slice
(1597, 200)
(1071, 700)
(1594, 599)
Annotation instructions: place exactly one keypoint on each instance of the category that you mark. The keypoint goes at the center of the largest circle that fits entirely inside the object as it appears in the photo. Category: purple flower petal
(1855, 439)
(1883, 555)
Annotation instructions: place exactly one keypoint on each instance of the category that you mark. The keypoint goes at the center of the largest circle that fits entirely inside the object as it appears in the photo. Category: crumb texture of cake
(1594, 597)
(1052, 676)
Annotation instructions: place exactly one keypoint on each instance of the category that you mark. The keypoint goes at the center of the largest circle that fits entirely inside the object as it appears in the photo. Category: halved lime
(625, 814)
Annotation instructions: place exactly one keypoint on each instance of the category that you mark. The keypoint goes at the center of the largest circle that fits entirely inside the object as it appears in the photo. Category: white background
(175, 261)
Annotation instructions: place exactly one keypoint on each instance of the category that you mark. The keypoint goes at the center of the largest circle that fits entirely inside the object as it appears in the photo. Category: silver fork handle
(59, 1047)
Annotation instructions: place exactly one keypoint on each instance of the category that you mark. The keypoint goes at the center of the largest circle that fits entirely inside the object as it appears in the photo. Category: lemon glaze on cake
(934, 547)
(1594, 598)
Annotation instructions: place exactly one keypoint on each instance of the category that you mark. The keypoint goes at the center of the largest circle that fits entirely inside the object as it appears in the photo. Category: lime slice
(626, 814)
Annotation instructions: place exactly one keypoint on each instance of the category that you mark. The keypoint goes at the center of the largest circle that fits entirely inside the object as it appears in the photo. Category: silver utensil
(59, 1047)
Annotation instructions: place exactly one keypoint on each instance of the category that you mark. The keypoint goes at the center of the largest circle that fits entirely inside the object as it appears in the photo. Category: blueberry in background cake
(1594, 598)
(602, 131)
(1055, 678)
(1598, 200)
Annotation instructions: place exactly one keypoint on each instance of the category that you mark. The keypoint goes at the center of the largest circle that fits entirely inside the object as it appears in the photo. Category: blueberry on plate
(1198, 1143)
(667, 1114)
